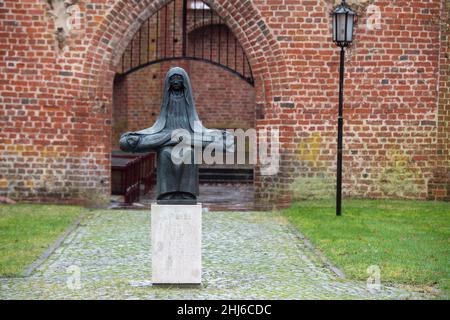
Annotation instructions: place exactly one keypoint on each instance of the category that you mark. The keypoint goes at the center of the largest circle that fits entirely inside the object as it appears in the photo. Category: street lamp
(343, 18)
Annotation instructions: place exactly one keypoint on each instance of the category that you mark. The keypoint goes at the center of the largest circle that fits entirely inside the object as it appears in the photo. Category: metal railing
(186, 29)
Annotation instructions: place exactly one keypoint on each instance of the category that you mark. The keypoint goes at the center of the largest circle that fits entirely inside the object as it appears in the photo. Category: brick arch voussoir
(110, 35)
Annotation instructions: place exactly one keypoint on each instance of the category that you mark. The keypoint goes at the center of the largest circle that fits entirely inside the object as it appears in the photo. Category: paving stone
(246, 255)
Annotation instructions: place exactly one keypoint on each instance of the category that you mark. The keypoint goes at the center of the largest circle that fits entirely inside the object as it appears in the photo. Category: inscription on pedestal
(176, 233)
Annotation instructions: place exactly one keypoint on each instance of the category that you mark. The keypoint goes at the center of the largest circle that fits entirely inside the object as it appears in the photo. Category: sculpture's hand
(173, 141)
(133, 141)
(176, 137)
(129, 141)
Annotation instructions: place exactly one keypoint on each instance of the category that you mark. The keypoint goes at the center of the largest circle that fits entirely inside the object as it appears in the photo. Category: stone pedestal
(176, 233)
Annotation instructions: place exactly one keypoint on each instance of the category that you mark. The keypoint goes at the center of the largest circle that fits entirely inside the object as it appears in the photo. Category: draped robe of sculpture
(176, 182)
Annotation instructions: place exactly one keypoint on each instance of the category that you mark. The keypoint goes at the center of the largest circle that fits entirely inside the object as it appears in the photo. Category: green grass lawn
(27, 230)
(408, 240)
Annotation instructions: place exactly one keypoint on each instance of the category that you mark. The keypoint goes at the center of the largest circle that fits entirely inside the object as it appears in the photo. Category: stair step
(226, 169)
(224, 174)
(225, 181)
(228, 177)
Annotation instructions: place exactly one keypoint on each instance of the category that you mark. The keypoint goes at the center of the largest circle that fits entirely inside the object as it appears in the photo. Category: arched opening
(269, 69)
(191, 35)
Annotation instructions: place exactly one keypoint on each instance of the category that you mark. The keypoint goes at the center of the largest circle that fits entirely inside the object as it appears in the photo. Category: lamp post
(343, 18)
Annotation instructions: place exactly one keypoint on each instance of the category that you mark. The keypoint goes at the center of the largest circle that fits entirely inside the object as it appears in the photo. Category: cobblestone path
(246, 255)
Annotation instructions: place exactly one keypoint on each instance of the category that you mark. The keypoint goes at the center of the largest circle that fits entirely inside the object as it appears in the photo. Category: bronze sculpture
(177, 126)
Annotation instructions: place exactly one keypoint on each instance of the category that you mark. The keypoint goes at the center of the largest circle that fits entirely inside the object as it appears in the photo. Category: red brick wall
(54, 139)
(56, 105)
(223, 99)
(120, 109)
(440, 183)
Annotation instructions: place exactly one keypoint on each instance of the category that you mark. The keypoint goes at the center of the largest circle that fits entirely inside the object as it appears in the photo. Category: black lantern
(343, 19)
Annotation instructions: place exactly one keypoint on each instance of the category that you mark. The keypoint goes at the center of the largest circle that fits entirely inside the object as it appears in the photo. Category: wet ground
(246, 255)
(213, 196)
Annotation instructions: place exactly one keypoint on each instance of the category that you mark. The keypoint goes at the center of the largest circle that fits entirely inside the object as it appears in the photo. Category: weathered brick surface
(440, 183)
(56, 105)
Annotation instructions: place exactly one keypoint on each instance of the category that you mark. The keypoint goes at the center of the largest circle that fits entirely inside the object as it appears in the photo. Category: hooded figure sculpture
(177, 126)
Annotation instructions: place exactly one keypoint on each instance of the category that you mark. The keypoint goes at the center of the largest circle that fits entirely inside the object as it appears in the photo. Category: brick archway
(125, 18)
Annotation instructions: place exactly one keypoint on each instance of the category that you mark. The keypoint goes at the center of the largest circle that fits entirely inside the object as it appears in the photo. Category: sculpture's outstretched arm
(221, 140)
(137, 142)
